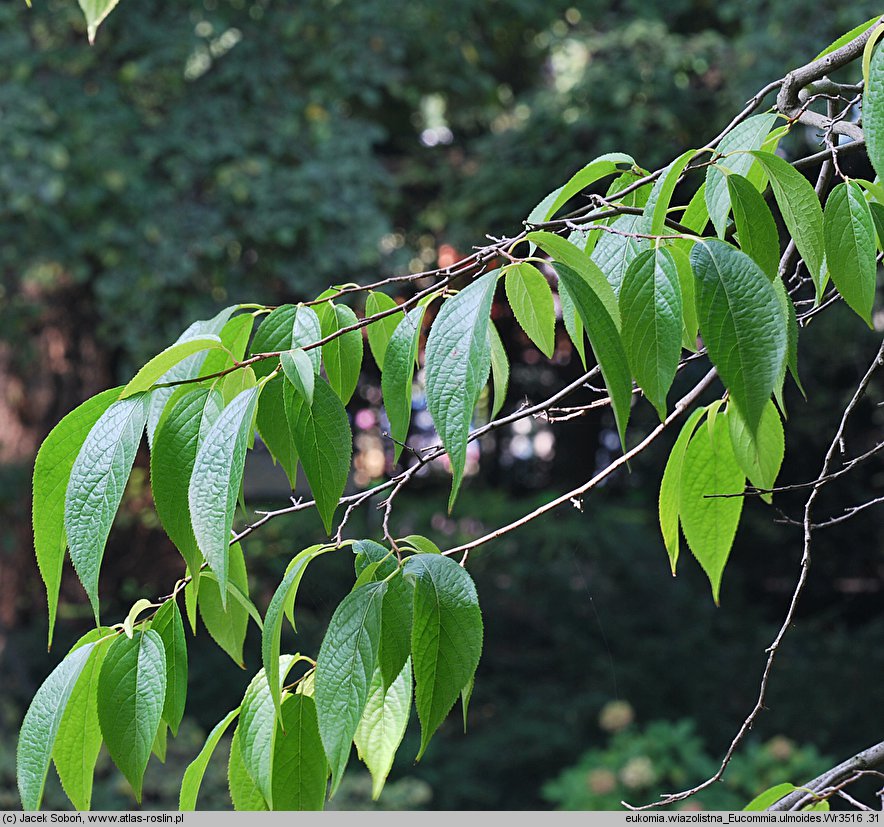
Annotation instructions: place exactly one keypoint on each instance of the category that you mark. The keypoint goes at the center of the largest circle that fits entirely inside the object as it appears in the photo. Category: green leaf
(98, 479)
(324, 442)
(380, 331)
(606, 344)
(421, 545)
(78, 740)
(801, 212)
(458, 359)
(300, 769)
(748, 135)
(344, 669)
(756, 228)
(710, 522)
(177, 439)
(273, 427)
(844, 39)
(170, 627)
(531, 300)
(654, 216)
(163, 362)
(298, 369)
(41, 724)
(878, 217)
(188, 368)
(760, 456)
(286, 327)
(770, 796)
(500, 369)
(244, 792)
(690, 325)
(466, 695)
(216, 479)
(233, 384)
(131, 692)
(850, 241)
(873, 112)
(52, 470)
(196, 769)
(573, 325)
(235, 338)
(601, 167)
(564, 251)
(257, 726)
(742, 322)
(651, 312)
(342, 356)
(227, 625)
(383, 724)
(282, 597)
(95, 12)
(161, 742)
(446, 636)
(398, 376)
(820, 806)
(396, 611)
(670, 488)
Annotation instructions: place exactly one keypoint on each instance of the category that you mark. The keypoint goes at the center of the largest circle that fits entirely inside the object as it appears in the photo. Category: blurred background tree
(240, 150)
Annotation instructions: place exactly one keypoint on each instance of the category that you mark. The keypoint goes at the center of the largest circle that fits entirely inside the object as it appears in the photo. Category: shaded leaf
(300, 769)
(398, 376)
(500, 369)
(341, 356)
(196, 769)
(756, 228)
(380, 331)
(168, 624)
(226, 625)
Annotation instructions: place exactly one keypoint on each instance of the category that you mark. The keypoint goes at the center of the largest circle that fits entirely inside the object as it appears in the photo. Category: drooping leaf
(286, 327)
(196, 769)
(131, 692)
(651, 312)
(873, 112)
(606, 344)
(850, 241)
(216, 479)
(396, 611)
(500, 369)
(709, 521)
(756, 228)
(398, 376)
(52, 470)
(759, 455)
(670, 488)
(383, 724)
(575, 258)
(466, 695)
(177, 439)
(95, 488)
(39, 728)
(573, 325)
(95, 12)
(690, 325)
(244, 792)
(257, 727)
(748, 135)
(344, 668)
(273, 427)
(801, 211)
(300, 768)
(661, 195)
(457, 366)
(531, 300)
(227, 625)
(188, 368)
(446, 636)
(298, 369)
(163, 362)
(322, 437)
(742, 323)
(78, 740)
(341, 356)
(615, 251)
(283, 596)
(168, 624)
(380, 331)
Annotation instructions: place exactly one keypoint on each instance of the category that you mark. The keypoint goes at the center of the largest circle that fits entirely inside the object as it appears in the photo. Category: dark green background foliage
(205, 154)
